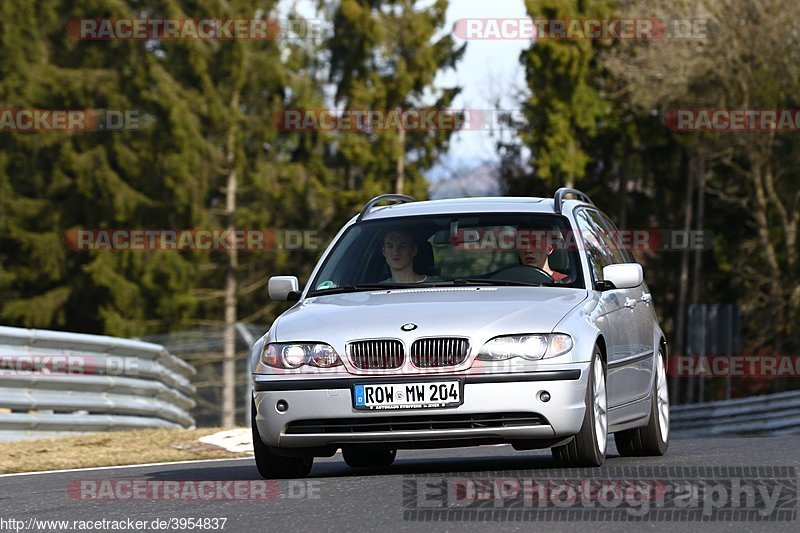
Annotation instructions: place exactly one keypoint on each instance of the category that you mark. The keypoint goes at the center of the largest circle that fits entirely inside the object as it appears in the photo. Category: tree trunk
(683, 287)
(779, 282)
(698, 254)
(623, 187)
(698, 258)
(229, 337)
(786, 284)
(399, 183)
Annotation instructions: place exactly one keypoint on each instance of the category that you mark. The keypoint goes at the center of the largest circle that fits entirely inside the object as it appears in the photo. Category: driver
(537, 254)
(399, 250)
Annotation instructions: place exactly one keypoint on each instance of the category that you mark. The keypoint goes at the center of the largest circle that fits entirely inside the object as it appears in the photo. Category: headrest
(423, 261)
(559, 259)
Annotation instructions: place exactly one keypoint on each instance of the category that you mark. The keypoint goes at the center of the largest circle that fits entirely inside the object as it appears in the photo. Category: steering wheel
(524, 273)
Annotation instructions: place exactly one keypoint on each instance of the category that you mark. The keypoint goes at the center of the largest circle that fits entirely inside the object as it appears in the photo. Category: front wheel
(272, 466)
(652, 439)
(588, 447)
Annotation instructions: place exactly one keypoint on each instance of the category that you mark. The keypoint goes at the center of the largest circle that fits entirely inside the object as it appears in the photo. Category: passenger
(538, 255)
(399, 250)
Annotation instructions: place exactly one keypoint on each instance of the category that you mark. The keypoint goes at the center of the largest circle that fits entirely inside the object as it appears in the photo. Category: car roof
(493, 204)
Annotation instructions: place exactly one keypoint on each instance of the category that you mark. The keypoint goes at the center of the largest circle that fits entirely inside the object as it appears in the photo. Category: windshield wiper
(367, 287)
(456, 282)
(489, 281)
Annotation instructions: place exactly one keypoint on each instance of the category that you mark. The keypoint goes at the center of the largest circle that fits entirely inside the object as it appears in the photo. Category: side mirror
(624, 276)
(283, 288)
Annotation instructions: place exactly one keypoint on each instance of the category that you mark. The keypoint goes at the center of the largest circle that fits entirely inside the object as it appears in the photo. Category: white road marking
(238, 440)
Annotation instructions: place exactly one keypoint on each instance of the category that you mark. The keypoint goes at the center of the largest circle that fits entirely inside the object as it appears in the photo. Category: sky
(489, 69)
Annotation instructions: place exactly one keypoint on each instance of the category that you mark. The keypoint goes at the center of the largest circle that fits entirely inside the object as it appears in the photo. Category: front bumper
(321, 400)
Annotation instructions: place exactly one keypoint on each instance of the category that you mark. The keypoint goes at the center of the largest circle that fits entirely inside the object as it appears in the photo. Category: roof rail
(397, 198)
(558, 199)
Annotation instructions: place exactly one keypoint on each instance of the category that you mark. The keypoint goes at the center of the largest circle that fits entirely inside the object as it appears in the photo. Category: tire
(368, 456)
(272, 466)
(652, 439)
(588, 447)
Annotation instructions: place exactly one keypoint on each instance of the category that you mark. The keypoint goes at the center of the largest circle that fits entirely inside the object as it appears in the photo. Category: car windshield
(475, 249)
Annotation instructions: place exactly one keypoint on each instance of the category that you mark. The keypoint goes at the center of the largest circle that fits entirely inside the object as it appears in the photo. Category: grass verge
(111, 448)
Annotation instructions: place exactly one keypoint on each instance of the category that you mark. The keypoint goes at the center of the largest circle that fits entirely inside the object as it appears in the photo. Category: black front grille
(376, 354)
(415, 423)
(438, 352)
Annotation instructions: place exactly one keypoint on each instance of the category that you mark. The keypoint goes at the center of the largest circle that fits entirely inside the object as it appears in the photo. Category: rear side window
(618, 241)
(609, 234)
(595, 243)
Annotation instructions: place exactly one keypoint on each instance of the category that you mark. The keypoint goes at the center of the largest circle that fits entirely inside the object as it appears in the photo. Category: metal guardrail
(203, 348)
(771, 414)
(56, 383)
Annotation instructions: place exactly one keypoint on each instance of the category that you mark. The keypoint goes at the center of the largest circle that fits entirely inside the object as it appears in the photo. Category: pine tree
(565, 108)
(58, 181)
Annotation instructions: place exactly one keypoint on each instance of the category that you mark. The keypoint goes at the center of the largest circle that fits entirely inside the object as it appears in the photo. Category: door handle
(630, 302)
(647, 297)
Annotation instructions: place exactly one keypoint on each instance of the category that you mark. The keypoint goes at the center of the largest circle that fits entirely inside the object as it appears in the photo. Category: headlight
(324, 356)
(531, 347)
(295, 355)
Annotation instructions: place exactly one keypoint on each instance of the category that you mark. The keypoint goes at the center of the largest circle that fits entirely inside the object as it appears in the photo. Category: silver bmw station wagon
(458, 323)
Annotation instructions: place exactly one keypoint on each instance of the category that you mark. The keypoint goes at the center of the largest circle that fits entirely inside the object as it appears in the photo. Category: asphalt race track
(410, 495)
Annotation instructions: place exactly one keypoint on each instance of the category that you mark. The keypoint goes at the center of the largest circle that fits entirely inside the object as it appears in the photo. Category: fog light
(282, 406)
(544, 396)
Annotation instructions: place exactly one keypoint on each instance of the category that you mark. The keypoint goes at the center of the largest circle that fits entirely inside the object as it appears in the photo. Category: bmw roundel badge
(408, 327)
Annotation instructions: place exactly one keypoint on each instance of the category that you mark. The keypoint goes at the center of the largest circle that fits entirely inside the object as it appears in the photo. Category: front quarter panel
(258, 346)
(585, 323)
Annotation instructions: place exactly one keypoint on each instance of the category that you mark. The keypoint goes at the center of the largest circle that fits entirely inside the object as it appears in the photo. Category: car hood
(476, 312)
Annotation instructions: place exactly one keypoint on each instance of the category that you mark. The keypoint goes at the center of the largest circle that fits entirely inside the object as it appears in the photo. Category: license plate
(427, 394)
